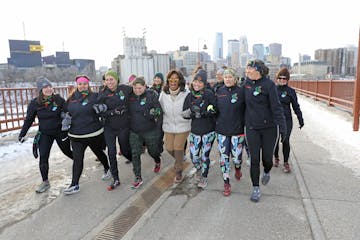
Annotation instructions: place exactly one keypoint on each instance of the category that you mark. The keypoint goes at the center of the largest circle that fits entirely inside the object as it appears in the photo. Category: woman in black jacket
(47, 107)
(200, 106)
(85, 130)
(144, 110)
(230, 126)
(287, 97)
(264, 119)
(117, 121)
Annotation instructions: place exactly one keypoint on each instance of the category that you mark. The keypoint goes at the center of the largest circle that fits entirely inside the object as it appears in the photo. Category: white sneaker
(106, 176)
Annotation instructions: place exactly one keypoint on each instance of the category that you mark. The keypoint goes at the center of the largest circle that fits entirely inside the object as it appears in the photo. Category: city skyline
(96, 31)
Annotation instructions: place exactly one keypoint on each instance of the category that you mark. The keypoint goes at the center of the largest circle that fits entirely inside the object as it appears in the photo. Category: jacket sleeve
(30, 117)
(276, 108)
(296, 107)
(187, 102)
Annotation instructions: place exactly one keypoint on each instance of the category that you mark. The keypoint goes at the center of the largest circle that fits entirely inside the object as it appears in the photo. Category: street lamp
(198, 53)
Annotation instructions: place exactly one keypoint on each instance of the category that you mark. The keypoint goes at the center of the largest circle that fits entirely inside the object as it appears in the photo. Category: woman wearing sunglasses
(287, 97)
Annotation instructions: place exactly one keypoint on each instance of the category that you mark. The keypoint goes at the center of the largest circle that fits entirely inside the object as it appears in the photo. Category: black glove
(21, 139)
(100, 108)
(282, 137)
(301, 124)
(195, 111)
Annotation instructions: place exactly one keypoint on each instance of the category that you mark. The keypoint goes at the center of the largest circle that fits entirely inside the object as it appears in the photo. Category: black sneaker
(113, 185)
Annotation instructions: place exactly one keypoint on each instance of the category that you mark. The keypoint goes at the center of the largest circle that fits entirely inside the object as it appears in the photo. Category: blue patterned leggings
(230, 145)
(200, 147)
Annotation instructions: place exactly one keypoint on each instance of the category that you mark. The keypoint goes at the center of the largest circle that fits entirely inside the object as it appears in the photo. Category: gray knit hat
(42, 82)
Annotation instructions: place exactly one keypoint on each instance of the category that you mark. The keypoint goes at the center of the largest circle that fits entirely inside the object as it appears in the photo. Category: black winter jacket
(231, 106)
(144, 111)
(287, 96)
(84, 120)
(263, 108)
(201, 99)
(117, 100)
(49, 115)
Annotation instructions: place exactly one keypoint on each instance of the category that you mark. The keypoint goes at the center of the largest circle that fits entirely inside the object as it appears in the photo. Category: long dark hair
(182, 81)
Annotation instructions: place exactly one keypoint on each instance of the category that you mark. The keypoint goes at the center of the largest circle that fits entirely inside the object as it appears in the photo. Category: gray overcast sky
(94, 29)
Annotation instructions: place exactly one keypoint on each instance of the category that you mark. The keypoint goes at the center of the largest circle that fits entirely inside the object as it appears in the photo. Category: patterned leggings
(200, 147)
(230, 145)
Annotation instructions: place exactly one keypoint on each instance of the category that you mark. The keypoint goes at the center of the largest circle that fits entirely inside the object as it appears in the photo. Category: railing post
(356, 101)
(330, 92)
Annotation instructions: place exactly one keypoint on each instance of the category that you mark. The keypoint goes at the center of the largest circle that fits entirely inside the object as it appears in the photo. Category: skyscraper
(218, 47)
(234, 52)
(259, 51)
(244, 49)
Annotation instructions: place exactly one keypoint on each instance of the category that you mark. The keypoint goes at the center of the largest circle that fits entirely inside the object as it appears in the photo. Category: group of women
(168, 112)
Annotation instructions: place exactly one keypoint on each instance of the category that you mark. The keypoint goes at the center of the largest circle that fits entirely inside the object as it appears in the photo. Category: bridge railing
(338, 93)
(14, 102)
(334, 92)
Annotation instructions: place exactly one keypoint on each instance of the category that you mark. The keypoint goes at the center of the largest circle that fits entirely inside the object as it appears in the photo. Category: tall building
(259, 51)
(25, 54)
(244, 51)
(134, 47)
(244, 48)
(234, 52)
(341, 61)
(218, 53)
(275, 49)
(139, 62)
(274, 53)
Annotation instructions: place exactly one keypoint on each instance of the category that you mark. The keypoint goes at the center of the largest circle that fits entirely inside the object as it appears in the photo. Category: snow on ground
(333, 129)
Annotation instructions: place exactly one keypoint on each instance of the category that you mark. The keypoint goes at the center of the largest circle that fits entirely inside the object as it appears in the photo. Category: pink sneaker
(137, 183)
(157, 167)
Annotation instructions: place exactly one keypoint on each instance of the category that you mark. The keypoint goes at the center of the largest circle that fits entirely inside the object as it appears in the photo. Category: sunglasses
(173, 80)
(282, 78)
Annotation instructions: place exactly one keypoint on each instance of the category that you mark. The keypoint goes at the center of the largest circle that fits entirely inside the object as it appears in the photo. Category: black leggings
(45, 144)
(261, 140)
(286, 143)
(110, 139)
(79, 146)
